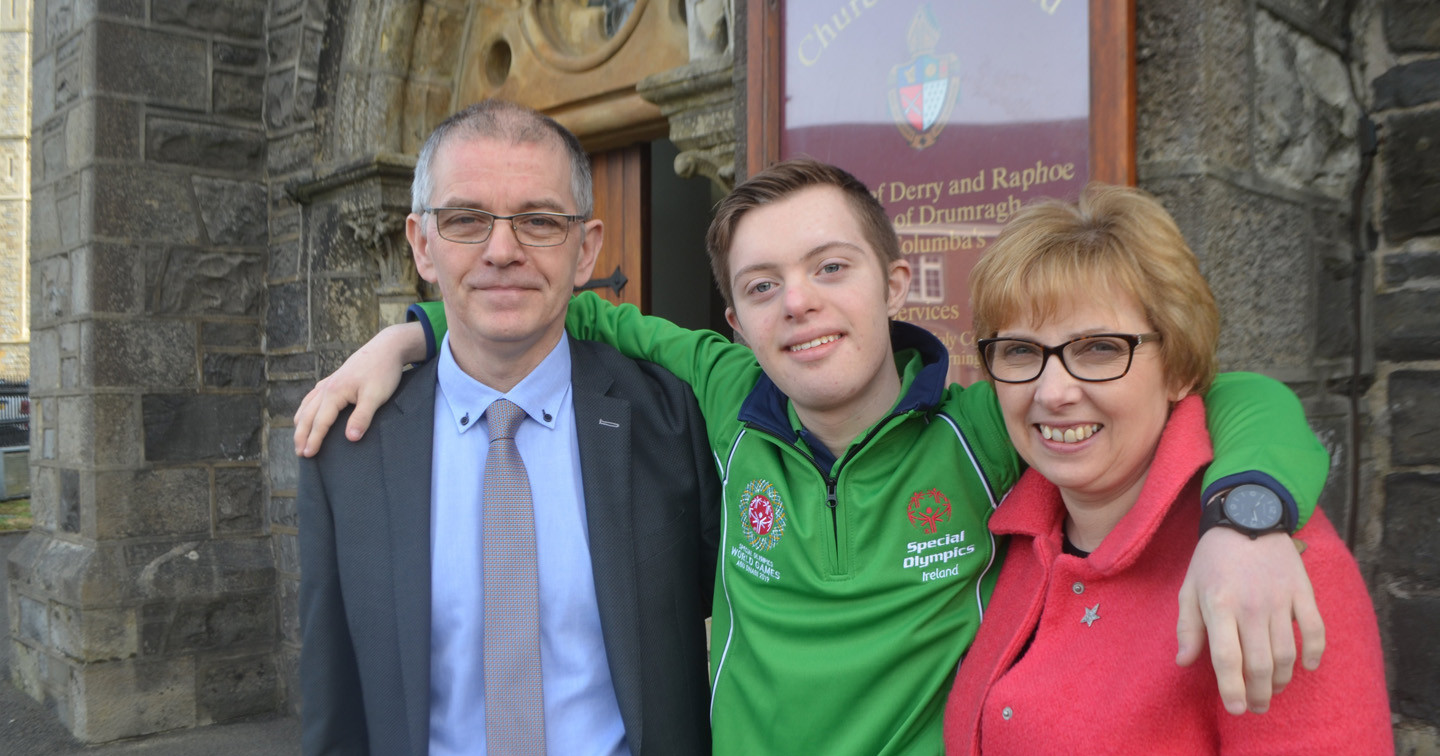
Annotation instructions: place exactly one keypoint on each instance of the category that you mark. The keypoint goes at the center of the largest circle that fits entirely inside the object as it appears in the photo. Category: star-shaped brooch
(1091, 614)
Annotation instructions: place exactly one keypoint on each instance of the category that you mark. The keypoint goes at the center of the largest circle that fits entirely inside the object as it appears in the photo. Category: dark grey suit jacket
(651, 501)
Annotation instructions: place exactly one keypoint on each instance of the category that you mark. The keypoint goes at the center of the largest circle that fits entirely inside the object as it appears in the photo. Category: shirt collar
(540, 393)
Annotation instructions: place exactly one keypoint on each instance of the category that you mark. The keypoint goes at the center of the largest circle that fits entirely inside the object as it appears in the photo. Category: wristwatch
(1249, 508)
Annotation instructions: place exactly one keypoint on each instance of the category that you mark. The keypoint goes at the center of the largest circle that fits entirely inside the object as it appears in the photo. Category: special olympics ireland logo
(927, 509)
(762, 515)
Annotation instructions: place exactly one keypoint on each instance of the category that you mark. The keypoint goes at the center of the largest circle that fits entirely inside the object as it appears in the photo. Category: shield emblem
(922, 93)
(923, 89)
(924, 84)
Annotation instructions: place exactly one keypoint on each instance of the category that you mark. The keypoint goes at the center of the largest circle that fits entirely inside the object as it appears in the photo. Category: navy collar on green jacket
(765, 407)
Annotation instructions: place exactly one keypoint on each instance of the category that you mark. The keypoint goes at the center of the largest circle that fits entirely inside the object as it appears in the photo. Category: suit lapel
(602, 424)
(407, 446)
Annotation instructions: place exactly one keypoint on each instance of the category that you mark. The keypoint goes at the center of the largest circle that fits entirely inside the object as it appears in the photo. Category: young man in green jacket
(855, 558)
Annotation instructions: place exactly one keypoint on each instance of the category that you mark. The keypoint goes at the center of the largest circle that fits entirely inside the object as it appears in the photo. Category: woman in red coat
(1077, 650)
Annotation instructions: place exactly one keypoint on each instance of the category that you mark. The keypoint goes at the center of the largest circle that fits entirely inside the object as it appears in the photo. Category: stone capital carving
(371, 197)
(381, 232)
(699, 100)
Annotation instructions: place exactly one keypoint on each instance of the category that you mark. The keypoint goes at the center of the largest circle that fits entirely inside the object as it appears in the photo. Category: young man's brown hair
(780, 181)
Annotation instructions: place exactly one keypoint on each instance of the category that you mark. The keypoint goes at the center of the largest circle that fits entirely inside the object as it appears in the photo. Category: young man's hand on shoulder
(366, 379)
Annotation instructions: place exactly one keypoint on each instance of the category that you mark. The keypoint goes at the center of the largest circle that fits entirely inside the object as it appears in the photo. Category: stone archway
(412, 62)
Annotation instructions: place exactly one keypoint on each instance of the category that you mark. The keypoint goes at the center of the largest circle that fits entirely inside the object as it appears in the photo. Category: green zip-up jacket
(849, 589)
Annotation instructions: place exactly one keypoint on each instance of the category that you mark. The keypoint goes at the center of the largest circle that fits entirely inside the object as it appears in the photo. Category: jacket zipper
(832, 498)
(830, 485)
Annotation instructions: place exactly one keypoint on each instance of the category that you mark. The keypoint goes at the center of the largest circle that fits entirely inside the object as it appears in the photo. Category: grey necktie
(514, 707)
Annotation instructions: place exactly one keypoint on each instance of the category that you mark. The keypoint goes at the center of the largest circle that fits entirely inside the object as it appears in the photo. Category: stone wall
(1298, 143)
(1246, 130)
(14, 188)
(1402, 76)
(144, 599)
(336, 96)
(294, 31)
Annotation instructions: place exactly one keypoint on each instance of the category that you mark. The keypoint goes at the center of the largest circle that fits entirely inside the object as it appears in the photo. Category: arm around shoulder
(1260, 435)
(367, 379)
(1242, 594)
(719, 371)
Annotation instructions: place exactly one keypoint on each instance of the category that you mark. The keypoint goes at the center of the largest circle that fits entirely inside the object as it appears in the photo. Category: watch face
(1254, 507)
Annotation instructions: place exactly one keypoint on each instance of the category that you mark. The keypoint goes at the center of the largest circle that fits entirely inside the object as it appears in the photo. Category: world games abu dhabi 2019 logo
(762, 515)
(924, 89)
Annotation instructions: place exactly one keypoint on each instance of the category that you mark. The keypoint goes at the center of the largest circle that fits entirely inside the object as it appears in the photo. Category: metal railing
(14, 413)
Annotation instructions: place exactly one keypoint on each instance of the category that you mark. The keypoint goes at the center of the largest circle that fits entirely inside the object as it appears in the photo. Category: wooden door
(622, 201)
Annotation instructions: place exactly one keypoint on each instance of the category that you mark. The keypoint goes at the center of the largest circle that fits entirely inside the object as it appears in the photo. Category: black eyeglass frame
(510, 220)
(1133, 339)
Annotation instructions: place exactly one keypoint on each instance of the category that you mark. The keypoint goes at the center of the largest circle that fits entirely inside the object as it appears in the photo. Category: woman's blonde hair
(1115, 240)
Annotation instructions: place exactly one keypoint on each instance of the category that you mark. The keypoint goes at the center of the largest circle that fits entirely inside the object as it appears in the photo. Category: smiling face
(1094, 441)
(813, 301)
(505, 302)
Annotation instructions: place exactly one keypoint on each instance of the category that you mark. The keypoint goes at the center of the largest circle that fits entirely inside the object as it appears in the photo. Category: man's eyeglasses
(464, 225)
(1095, 358)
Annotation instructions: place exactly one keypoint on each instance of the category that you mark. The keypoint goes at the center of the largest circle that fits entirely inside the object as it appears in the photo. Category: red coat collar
(1034, 507)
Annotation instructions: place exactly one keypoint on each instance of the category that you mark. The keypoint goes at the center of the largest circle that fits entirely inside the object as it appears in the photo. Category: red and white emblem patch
(762, 515)
(928, 509)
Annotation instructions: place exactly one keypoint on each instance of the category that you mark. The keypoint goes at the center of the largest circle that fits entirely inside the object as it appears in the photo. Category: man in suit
(614, 570)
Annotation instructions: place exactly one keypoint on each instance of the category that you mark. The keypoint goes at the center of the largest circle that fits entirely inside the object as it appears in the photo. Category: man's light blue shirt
(582, 715)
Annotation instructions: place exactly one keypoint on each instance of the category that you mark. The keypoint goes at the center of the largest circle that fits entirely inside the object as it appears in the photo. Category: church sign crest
(923, 89)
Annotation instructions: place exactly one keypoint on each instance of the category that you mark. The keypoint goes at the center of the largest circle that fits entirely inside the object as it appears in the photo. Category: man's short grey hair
(507, 121)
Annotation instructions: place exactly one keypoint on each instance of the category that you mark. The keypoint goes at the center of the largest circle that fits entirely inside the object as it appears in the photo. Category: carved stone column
(361, 275)
(698, 99)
